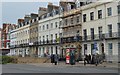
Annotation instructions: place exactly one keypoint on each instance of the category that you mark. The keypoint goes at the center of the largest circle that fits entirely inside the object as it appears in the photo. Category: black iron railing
(71, 39)
(101, 36)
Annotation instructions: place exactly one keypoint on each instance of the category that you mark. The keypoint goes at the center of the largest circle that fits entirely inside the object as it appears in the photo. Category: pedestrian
(96, 59)
(84, 60)
(52, 58)
(89, 58)
(93, 59)
(55, 59)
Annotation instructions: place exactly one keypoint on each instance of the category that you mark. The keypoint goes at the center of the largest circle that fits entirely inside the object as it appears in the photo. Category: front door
(92, 49)
(102, 48)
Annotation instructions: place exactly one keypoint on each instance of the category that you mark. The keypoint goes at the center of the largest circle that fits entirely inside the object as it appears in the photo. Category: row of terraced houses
(87, 27)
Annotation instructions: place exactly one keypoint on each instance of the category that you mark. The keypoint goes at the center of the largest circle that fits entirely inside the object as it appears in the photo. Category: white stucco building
(20, 40)
(101, 29)
(49, 34)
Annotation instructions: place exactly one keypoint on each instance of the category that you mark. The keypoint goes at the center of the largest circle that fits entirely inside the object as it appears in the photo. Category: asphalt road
(27, 68)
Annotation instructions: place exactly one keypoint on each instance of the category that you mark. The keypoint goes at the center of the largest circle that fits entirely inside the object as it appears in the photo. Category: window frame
(84, 17)
(99, 14)
(109, 11)
(91, 15)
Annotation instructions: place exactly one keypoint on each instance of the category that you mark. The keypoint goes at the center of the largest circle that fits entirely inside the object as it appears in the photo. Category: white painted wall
(104, 22)
(48, 32)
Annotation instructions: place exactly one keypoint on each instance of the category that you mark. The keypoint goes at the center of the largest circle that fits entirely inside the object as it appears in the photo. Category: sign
(69, 52)
(67, 56)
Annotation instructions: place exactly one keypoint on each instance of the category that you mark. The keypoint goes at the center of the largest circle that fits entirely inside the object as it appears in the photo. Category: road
(28, 68)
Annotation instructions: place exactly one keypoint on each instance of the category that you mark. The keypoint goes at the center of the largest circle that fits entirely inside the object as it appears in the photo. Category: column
(50, 50)
(42, 52)
(58, 50)
(23, 52)
(54, 50)
(10, 51)
(27, 51)
(39, 51)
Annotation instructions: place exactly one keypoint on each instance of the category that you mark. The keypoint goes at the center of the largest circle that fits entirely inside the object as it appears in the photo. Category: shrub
(7, 59)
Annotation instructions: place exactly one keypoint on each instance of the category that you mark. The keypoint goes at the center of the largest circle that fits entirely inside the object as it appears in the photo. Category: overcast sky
(11, 11)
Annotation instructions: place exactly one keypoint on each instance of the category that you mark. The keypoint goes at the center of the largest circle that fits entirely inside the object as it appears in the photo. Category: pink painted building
(5, 37)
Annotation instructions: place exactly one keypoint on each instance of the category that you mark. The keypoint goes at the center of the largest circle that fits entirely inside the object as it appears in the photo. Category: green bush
(7, 59)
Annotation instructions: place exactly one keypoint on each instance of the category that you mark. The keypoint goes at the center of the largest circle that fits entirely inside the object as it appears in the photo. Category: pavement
(27, 68)
(63, 64)
(60, 68)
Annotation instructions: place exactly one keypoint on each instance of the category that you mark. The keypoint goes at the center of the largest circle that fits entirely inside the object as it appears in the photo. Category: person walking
(52, 58)
(84, 60)
(93, 59)
(96, 59)
(89, 58)
(56, 59)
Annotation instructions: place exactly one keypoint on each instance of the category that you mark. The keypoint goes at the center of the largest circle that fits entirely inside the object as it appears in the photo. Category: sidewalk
(62, 64)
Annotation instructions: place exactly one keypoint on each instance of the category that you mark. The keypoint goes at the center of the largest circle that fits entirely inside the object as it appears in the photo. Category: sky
(13, 10)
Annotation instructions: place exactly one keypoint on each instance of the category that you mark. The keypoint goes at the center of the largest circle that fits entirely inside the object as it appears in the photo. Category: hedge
(6, 59)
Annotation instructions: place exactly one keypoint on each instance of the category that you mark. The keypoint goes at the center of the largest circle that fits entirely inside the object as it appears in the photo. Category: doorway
(102, 48)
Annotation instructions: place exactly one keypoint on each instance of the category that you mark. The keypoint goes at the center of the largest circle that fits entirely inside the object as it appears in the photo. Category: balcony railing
(12, 46)
(20, 45)
(95, 37)
(48, 42)
(101, 37)
(35, 43)
(71, 39)
(112, 35)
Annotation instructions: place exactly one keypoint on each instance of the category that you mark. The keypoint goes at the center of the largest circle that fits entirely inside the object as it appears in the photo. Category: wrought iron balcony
(71, 39)
(112, 35)
(35, 43)
(95, 37)
(47, 42)
(17, 46)
(12, 46)
(24, 45)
